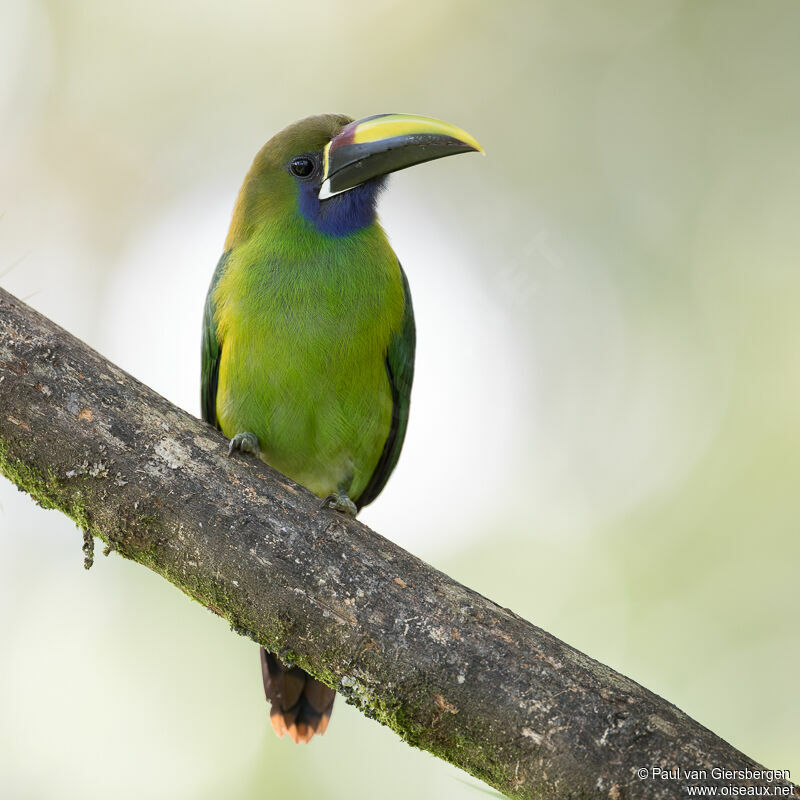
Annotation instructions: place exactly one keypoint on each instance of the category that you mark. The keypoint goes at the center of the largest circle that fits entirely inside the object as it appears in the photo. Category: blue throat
(343, 213)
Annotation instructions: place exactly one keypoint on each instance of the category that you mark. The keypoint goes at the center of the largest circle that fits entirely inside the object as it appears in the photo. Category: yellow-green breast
(305, 329)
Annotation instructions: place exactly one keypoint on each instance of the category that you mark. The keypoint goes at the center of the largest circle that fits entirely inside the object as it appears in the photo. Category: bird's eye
(302, 167)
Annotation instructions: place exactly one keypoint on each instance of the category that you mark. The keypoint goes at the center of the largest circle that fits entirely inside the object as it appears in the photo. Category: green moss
(472, 754)
(26, 478)
(47, 490)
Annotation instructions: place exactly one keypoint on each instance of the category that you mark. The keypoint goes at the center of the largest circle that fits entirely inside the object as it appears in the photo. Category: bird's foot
(340, 502)
(246, 442)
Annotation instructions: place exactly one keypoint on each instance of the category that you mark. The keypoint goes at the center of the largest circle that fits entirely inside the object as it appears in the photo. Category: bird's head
(327, 170)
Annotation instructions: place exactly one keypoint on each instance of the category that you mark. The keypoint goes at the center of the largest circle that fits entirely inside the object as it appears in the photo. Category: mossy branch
(447, 669)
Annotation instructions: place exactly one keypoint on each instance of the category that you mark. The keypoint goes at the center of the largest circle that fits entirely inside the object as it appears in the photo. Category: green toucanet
(308, 332)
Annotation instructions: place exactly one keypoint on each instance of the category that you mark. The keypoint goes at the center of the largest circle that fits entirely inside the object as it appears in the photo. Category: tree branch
(447, 669)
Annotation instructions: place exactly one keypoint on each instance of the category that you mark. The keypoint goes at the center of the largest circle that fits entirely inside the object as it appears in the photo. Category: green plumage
(308, 338)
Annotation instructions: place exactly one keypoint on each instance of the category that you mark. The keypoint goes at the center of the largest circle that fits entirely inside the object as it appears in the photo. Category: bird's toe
(341, 503)
(245, 442)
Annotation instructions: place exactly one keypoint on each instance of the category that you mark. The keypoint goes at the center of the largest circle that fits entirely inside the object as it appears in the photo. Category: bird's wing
(400, 369)
(211, 351)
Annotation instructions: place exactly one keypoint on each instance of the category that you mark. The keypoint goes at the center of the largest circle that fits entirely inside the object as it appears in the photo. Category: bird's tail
(300, 705)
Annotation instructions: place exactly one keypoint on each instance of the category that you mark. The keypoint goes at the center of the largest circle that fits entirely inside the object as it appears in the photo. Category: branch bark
(449, 670)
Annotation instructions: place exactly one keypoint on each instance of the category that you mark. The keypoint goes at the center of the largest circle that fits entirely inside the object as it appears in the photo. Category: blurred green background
(605, 430)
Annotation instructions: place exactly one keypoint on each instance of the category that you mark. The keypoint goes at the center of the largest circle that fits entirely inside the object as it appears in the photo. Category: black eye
(302, 167)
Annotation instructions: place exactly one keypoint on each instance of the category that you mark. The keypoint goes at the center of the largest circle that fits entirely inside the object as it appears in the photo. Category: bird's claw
(340, 502)
(245, 442)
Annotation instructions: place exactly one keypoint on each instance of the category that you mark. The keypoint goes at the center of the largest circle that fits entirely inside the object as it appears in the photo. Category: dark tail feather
(300, 705)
